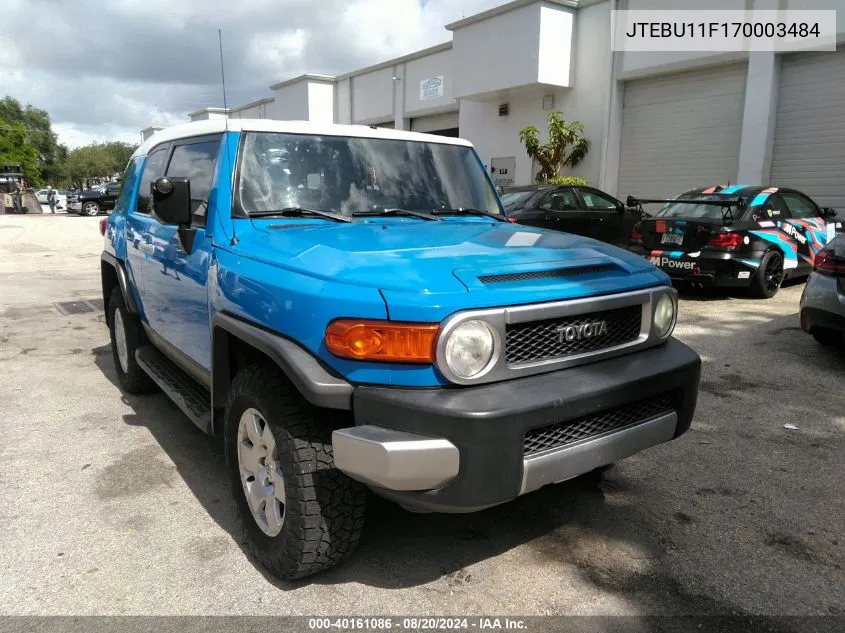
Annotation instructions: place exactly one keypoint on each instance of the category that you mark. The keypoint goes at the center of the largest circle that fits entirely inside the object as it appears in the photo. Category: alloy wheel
(261, 473)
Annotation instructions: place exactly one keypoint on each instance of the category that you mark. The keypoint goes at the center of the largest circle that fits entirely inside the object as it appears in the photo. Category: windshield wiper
(289, 212)
(466, 211)
(416, 214)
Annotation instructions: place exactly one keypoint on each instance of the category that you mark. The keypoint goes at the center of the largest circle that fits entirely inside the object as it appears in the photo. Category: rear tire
(322, 510)
(127, 335)
(769, 276)
(828, 338)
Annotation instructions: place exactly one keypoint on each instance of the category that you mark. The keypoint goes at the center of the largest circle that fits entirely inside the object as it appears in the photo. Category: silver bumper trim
(393, 459)
(582, 457)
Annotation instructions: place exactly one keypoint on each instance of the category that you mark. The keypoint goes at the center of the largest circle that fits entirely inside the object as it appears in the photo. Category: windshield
(687, 210)
(350, 175)
(515, 199)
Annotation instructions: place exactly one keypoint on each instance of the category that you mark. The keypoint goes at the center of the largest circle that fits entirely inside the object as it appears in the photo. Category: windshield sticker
(523, 239)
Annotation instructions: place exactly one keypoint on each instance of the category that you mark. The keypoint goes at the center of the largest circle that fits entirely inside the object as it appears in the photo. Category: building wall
(497, 53)
(372, 96)
(342, 102)
(422, 69)
(554, 63)
(320, 102)
(496, 136)
(291, 103)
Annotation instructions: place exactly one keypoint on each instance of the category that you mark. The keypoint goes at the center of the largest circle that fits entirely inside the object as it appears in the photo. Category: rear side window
(127, 184)
(800, 206)
(152, 168)
(595, 200)
(196, 161)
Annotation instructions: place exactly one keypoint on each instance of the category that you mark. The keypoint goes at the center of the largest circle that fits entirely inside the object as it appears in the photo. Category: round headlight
(469, 349)
(664, 316)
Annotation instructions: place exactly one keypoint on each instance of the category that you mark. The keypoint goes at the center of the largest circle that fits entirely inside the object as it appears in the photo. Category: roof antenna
(234, 239)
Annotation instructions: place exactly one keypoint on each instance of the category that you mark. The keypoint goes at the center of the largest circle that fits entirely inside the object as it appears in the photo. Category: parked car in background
(95, 201)
(61, 197)
(823, 299)
(739, 236)
(574, 209)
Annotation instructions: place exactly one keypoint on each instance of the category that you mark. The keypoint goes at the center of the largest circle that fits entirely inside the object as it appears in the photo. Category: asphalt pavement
(113, 504)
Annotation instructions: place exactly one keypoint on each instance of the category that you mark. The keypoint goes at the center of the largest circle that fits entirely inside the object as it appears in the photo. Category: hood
(418, 263)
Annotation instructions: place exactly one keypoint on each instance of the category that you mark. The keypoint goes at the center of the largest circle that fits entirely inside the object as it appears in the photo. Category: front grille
(546, 274)
(543, 340)
(562, 433)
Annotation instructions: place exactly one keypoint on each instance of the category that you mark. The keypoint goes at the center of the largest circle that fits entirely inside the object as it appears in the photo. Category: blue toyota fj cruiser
(348, 308)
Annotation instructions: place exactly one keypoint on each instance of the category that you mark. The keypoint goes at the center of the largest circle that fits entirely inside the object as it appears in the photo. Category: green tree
(38, 134)
(97, 161)
(566, 146)
(15, 149)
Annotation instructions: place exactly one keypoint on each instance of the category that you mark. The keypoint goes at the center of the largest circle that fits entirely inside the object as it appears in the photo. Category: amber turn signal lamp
(385, 341)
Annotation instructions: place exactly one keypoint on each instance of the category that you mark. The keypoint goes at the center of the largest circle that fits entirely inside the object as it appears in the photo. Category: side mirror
(172, 200)
(828, 212)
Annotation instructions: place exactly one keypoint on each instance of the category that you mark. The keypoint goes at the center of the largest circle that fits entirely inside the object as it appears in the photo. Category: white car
(61, 197)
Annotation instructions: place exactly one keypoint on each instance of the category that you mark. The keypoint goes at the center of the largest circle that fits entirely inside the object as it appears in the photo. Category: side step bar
(192, 398)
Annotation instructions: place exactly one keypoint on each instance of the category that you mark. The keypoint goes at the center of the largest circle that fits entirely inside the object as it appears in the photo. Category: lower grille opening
(560, 434)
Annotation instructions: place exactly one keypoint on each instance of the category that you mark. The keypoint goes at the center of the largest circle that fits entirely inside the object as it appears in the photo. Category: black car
(95, 201)
(736, 236)
(574, 209)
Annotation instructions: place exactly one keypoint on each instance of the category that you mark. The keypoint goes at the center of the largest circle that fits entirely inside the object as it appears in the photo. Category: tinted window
(516, 199)
(800, 206)
(564, 200)
(151, 170)
(358, 175)
(128, 180)
(196, 162)
(596, 200)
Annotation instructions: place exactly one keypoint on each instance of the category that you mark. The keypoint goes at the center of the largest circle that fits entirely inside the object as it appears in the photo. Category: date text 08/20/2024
(416, 623)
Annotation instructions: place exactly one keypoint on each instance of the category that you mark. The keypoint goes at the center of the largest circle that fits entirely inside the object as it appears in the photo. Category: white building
(659, 123)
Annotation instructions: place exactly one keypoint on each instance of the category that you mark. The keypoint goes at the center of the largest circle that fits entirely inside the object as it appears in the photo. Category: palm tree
(553, 156)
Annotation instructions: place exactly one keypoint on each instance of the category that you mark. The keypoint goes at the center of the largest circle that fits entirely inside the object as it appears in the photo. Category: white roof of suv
(215, 126)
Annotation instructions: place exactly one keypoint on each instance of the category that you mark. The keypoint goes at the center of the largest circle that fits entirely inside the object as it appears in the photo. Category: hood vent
(546, 274)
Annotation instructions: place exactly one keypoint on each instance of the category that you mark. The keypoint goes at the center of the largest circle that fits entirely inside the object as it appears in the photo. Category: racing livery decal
(723, 235)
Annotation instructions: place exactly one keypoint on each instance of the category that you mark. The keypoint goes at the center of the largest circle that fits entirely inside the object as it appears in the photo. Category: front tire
(91, 208)
(769, 276)
(300, 513)
(127, 335)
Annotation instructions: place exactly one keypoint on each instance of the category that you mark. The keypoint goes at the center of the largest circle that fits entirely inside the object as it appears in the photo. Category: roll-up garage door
(681, 131)
(809, 148)
(446, 123)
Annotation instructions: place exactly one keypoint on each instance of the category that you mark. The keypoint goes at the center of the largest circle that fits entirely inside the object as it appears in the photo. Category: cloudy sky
(104, 69)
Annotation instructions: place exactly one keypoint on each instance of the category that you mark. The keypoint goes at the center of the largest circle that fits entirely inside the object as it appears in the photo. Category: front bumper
(707, 268)
(74, 206)
(465, 449)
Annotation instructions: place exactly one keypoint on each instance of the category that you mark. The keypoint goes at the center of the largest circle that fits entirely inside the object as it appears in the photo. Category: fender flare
(311, 379)
(122, 280)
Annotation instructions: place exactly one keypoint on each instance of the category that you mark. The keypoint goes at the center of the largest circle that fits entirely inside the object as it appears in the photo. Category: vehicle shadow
(708, 293)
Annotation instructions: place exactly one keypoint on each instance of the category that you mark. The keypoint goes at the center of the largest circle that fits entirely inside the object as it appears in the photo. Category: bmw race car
(736, 236)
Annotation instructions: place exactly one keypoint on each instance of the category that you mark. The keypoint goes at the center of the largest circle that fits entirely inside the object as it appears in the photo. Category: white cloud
(145, 62)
